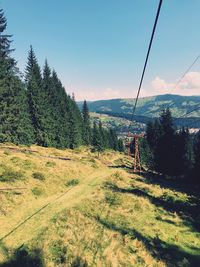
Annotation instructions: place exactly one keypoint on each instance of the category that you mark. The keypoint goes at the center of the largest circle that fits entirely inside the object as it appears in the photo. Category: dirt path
(27, 228)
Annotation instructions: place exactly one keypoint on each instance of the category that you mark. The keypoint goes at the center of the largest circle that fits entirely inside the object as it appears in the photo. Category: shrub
(58, 252)
(50, 164)
(78, 262)
(117, 175)
(37, 191)
(7, 152)
(27, 164)
(15, 159)
(38, 175)
(137, 206)
(112, 199)
(11, 176)
(72, 182)
(95, 166)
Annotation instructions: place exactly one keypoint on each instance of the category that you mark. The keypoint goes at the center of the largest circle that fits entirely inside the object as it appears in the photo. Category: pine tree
(113, 141)
(183, 152)
(15, 123)
(60, 104)
(76, 125)
(37, 99)
(151, 145)
(197, 156)
(50, 109)
(120, 145)
(96, 138)
(165, 151)
(86, 124)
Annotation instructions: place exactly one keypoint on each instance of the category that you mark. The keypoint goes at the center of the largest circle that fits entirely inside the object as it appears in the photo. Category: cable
(36, 212)
(181, 78)
(146, 60)
(187, 113)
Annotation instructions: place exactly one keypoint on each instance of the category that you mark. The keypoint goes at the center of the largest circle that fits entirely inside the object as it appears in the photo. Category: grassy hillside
(148, 106)
(81, 209)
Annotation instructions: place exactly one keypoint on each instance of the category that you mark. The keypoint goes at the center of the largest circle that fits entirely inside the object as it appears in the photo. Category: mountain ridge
(148, 106)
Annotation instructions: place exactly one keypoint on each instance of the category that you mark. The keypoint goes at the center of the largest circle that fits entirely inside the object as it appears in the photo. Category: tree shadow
(122, 166)
(182, 185)
(23, 257)
(188, 211)
(172, 254)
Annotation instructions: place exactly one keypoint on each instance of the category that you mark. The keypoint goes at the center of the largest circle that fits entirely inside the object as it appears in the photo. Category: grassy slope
(111, 218)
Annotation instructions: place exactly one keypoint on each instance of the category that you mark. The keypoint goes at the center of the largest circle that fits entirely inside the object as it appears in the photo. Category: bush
(38, 175)
(11, 176)
(37, 191)
(78, 262)
(118, 176)
(7, 152)
(58, 252)
(72, 182)
(112, 199)
(27, 164)
(15, 159)
(50, 164)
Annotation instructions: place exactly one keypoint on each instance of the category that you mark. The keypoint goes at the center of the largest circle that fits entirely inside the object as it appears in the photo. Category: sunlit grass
(110, 217)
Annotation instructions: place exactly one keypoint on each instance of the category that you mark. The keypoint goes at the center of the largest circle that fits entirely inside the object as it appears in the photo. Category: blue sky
(98, 47)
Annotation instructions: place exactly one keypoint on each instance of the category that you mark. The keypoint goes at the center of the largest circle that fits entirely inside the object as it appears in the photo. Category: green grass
(72, 182)
(11, 175)
(112, 218)
(58, 252)
(50, 164)
(37, 191)
(38, 175)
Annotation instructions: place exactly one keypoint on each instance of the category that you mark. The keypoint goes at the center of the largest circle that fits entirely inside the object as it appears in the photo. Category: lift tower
(133, 139)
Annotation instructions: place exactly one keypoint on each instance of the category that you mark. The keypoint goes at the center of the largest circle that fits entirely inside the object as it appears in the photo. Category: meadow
(77, 208)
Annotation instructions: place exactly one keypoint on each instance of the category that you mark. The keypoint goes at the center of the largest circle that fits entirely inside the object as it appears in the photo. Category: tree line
(170, 151)
(35, 108)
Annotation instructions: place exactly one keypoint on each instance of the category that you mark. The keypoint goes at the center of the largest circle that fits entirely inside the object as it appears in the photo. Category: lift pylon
(134, 139)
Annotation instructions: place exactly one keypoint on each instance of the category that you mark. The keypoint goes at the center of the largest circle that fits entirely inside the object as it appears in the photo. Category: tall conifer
(15, 124)
(86, 124)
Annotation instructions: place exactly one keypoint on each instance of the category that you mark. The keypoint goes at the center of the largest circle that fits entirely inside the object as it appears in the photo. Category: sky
(98, 47)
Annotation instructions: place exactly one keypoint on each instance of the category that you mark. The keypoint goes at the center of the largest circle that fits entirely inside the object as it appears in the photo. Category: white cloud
(189, 85)
(191, 81)
(110, 93)
(92, 94)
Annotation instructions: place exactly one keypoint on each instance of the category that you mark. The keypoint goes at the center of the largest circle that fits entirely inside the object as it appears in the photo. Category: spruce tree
(60, 104)
(86, 124)
(120, 145)
(96, 138)
(15, 123)
(197, 157)
(50, 109)
(113, 140)
(38, 101)
(166, 152)
(76, 125)
(183, 152)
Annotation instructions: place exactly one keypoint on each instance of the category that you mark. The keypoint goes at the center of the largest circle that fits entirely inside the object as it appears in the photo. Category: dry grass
(110, 217)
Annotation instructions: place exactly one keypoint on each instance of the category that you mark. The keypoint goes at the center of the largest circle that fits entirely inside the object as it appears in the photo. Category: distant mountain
(148, 106)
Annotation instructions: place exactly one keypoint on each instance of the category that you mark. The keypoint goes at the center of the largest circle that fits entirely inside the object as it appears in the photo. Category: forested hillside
(148, 106)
